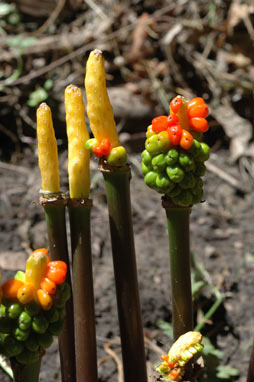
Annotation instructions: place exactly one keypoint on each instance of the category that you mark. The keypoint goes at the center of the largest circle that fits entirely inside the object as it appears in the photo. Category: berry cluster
(115, 156)
(182, 351)
(174, 156)
(33, 308)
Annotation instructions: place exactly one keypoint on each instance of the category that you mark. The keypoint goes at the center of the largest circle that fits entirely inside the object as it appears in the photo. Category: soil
(221, 241)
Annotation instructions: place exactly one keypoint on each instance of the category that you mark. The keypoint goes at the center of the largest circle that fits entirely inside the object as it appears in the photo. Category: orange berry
(43, 250)
(25, 293)
(195, 101)
(48, 285)
(105, 146)
(164, 357)
(58, 264)
(199, 110)
(96, 149)
(199, 124)
(57, 275)
(174, 374)
(10, 288)
(172, 120)
(44, 299)
(160, 124)
(186, 140)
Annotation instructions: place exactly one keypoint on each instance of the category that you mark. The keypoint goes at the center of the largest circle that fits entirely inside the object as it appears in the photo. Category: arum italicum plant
(116, 172)
(32, 311)
(79, 206)
(173, 164)
(54, 204)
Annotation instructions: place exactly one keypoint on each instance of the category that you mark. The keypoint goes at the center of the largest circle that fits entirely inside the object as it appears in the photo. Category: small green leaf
(226, 372)
(36, 97)
(209, 349)
(20, 41)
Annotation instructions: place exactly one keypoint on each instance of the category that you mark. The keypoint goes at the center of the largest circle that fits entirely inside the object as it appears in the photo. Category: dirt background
(182, 47)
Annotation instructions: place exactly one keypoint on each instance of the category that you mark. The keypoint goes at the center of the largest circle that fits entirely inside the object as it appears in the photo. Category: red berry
(199, 124)
(175, 104)
(97, 151)
(175, 134)
(174, 374)
(172, 120)
(164, 357)
(105, 146)
(160, 123)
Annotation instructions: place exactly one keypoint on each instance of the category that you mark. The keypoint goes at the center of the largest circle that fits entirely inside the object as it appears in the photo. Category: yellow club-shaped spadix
(78, 155)
(47, 150)
(36, 266)
(99, 109)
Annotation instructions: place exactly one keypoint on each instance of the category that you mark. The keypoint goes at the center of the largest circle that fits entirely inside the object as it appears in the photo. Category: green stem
(117, 182)
(54, 209)
(26, 373)
(83, 295)
(179, 243)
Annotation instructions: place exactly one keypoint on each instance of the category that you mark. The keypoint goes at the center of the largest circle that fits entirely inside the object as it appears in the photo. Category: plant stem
(117, 182)
(54, 209)
(250, 377)
(83, 295)
(179, 243)
(26, 373)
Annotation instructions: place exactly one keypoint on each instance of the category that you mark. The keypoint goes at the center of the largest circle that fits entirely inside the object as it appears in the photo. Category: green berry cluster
(27, 330)
(176, 172)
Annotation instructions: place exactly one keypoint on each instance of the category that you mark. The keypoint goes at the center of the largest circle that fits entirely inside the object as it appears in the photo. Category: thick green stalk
(83, 295)
(179, 244)
(54, 209)
(26, 373)
(117, 181)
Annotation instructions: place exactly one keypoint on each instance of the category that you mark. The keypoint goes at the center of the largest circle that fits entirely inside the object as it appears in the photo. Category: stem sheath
(117, 182)
(83, 295)
(179, 244)
(54, 209)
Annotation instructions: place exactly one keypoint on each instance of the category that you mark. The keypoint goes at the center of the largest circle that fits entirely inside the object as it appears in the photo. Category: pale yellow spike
(78, 155)
(47, 150)
(99, 109)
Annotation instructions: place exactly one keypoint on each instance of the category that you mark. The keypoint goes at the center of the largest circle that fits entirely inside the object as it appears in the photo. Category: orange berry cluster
(197, 112)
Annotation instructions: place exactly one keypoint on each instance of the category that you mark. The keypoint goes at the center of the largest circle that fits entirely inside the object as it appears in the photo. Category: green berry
(32, 309)
(150, 179)
(175, 174)
(21, 276)
(61, 313)
(163, 141)
(25, 321)
(172, 157)
(195, 148)
(164, 184)
(2, 310)
(56, 328)
(62, 295)
(117, 156)
(52, 315)
(28, 357)
(21, 335)
(159, 163)
(40, 324)
(6, 325)
(198, 187)
(204, 152)
(32, 342)
(145, 169)
(197, 197)
(176, 191)
(152, 145)
(89, 144)
(45, 340)
(200, 169)
(185, 159)
(184, 199)
(146, 157)
(14, 310)
(188, 182)
(12, 347)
